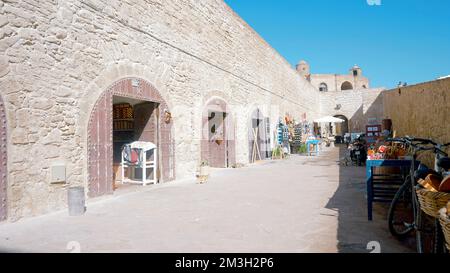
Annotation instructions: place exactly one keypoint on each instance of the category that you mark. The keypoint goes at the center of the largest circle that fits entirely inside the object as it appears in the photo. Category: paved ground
(296, 205)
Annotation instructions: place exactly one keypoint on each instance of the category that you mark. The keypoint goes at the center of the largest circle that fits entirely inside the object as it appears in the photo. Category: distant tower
(356, 71)
(304, 69)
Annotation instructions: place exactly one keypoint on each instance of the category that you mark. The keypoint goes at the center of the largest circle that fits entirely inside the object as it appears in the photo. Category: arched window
(346, 86)
(323, 87)
(364, 86)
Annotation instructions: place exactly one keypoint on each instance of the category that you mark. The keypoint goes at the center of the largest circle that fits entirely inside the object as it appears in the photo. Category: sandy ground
(302, 204)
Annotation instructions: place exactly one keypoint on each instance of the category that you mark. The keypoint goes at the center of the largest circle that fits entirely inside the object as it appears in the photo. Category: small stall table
(315, 143)
(383, 187)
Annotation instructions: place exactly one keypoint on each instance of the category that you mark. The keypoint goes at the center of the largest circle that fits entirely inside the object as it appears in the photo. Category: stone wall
(421, 110)
(57, 57)
(357, 105)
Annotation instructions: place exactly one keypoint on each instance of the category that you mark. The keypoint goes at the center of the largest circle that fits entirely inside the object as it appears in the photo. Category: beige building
(348, 97)
(334, 82)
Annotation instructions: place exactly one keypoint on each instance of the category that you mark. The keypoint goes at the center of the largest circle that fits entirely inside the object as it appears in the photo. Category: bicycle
(405, 215)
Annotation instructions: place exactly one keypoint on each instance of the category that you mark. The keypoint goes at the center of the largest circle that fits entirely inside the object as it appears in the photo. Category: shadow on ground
(355, 233)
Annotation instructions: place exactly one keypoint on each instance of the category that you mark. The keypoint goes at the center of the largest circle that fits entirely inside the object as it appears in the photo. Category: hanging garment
(132, 156)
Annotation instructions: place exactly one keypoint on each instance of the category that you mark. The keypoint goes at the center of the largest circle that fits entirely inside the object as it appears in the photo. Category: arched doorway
(323, 87)
(347, 86)
(3, 163)
(149, 124)
(341, 128)
(218, 135)
(258, 126)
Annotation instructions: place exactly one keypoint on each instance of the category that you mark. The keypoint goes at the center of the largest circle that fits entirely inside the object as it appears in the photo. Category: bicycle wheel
(401, 212)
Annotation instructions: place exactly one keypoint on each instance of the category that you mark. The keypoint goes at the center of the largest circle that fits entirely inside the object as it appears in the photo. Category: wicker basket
(432, 202)
(445, 224)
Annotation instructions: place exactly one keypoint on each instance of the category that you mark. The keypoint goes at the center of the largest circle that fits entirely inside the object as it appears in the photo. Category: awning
(329, 119)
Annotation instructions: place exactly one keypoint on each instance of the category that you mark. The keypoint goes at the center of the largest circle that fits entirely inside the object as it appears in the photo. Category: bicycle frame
(418, 145)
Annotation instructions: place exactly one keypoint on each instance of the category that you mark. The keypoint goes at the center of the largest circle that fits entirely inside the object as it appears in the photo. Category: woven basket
(432, 202)
(445, 224)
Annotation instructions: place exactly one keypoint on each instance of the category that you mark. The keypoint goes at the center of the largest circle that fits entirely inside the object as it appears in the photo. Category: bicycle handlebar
(396, 140)
(421, 140)
(410, 141)
(434, 149)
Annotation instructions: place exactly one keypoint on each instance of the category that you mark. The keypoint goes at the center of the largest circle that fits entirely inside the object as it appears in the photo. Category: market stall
(386, 170)
(328, 120)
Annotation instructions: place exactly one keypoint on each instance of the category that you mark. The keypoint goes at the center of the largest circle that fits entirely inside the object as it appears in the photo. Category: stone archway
(100, 142)
(218, 134)
(346, 86)
(3, 163)
(342, 128)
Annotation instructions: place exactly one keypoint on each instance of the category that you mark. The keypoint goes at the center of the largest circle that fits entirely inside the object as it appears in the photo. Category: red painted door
(3, 165)
(100, 148)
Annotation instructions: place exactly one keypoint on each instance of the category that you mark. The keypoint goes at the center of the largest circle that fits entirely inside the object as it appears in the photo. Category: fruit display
(382, 150)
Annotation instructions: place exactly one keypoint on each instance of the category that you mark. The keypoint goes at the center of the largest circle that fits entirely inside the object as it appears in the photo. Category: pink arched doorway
(3, 163)
(218, 135)
(151, 124)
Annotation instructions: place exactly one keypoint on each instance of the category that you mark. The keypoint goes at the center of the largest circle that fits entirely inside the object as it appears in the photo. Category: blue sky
(400, 40)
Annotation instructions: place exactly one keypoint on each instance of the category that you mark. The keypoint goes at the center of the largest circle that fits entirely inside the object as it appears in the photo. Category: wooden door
(217, 141)
(3, 163)
(100, 148)
(100, 143)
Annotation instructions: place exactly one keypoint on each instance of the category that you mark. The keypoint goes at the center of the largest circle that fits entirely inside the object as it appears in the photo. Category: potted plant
(203, 172)
(277, 153)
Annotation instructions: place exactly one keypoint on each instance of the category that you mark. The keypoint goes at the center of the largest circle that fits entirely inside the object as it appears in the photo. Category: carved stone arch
(99, 142)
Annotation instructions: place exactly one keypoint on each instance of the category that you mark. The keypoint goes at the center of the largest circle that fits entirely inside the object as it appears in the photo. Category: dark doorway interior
(133, 120)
